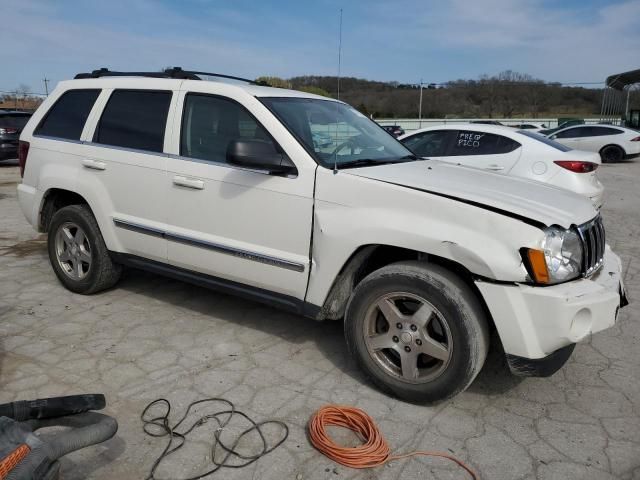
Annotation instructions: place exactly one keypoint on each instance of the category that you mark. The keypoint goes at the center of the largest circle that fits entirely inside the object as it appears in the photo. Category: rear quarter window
(66, 118)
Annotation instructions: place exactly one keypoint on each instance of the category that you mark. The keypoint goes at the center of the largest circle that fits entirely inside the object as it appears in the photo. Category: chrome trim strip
(134, 227)
(124, 149)
(59, 139)
(224, 164)
(236, 252)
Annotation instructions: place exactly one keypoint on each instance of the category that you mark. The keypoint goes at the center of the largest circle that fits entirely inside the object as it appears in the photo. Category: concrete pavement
(152, 337)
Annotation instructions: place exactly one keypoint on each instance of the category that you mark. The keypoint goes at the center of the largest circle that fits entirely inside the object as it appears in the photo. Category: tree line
(505, 95)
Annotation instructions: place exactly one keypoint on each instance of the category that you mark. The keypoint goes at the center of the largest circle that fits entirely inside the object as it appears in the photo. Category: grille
(593, 242)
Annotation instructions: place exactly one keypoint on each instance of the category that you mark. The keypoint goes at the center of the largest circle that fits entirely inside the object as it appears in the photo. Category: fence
(409, 124)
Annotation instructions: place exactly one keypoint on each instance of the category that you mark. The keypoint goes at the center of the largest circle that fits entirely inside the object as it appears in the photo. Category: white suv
(225, 184)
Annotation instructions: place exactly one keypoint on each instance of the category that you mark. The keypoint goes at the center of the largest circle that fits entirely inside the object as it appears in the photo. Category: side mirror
(553, 137)
(259, 155)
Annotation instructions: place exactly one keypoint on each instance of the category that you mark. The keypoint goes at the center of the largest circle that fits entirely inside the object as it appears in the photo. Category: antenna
(339, 53)
(46, 85)
(335, 153)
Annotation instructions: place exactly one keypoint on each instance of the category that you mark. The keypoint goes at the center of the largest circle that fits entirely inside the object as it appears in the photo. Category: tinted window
(545, 140)
(67, 116)
(428, 144)
(210, 123)
(600, 131)
(480, 143)
(134, 119)
(571, 133)
(14, 120)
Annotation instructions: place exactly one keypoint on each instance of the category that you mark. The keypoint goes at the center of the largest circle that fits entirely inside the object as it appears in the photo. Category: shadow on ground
(495, 377)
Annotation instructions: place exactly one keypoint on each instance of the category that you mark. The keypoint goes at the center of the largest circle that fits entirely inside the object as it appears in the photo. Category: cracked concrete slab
(153, 337)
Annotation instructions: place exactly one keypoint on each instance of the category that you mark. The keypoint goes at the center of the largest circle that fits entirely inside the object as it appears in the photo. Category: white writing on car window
(469, 139)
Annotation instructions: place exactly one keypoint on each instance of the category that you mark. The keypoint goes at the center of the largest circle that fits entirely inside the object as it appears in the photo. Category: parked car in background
(561, 125)
(613, 143)
(520, 153)
(395, 130)
(536, 127)
(486, 122)
(11, 125)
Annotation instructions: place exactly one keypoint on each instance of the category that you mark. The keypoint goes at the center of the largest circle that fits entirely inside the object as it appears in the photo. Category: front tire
(77, 251)
(417, 330)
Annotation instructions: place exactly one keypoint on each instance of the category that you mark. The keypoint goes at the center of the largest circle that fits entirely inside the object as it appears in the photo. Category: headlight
(559, 259)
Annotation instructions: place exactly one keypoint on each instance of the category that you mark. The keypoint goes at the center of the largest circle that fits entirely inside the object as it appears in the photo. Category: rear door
(125, 165)
(484, 150)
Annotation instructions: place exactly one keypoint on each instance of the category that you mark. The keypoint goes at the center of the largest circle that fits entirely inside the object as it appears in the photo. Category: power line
(15, 92)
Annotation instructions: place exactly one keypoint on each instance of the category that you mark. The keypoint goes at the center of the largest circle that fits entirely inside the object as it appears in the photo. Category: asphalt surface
(152, 337)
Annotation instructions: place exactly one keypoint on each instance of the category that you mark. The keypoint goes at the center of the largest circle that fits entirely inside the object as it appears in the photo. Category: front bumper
(534, 322)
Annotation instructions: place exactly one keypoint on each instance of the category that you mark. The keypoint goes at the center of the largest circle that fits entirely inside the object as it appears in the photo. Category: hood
(530, 201)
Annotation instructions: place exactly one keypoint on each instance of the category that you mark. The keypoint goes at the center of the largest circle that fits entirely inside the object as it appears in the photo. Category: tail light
(637, 139)
(23, 151)
(577, 166)
(6, 130)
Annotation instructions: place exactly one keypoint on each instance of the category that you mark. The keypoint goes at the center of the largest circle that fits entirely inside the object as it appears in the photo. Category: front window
(545, 140)
(337, 134)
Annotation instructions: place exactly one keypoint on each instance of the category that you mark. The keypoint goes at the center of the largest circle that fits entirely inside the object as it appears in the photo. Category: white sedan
(611, 142)
(512, 152)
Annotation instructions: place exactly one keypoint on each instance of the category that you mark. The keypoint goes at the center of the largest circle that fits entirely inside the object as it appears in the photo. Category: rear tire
(611, 154)
(432, 339)
(77, 251)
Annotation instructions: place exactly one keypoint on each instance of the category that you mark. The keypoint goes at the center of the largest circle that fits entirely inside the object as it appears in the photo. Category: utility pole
(420, 107)
(46, 85)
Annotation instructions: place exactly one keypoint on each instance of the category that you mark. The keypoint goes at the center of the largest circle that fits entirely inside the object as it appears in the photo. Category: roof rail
(174, 72)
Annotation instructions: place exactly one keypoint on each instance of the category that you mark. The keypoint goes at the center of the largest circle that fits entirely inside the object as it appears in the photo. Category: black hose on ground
(52, 407)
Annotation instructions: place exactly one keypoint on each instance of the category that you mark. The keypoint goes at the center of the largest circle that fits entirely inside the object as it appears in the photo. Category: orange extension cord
(9, 462)
(373, 453)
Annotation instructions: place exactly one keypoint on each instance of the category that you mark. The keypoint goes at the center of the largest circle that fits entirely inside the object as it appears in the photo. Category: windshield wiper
(364, 162)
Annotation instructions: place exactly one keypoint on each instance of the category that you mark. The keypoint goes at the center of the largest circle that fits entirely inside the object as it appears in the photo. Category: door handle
(93, 164)
(188, 182)
(495, 167)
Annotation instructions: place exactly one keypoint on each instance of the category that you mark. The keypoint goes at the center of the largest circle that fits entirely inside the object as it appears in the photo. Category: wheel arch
(53, 200)
(624, 152)
(369, 258)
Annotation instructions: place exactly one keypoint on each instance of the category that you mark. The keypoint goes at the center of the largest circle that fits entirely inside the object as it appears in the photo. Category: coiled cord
(158, 426)
(375, 450)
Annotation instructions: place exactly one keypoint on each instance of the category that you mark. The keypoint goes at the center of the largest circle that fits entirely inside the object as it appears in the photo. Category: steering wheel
(346, 143)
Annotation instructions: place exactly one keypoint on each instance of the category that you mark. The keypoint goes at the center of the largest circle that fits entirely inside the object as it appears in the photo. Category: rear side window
(480, 143)
(601, 131)
(571, 133)
(429, 144)
(134, 119)
(67, 116)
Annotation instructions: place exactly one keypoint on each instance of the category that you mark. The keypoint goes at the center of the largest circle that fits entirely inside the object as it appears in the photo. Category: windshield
(545, 140)
(335, 132)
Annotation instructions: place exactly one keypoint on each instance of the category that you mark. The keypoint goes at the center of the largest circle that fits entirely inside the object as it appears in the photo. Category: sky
(392, 40)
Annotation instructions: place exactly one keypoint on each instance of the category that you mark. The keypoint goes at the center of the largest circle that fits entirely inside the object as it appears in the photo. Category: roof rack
(174, 72)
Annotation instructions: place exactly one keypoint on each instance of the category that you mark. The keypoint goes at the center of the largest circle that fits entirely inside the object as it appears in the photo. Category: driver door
(245, 227)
